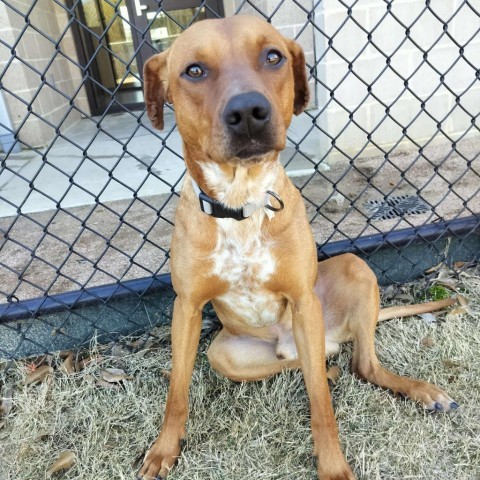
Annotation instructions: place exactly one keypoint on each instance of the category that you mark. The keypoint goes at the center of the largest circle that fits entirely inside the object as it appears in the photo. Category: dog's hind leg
(348, 291)
(243, 358)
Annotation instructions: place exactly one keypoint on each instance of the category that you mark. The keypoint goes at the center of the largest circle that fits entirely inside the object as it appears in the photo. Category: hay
(259, 430)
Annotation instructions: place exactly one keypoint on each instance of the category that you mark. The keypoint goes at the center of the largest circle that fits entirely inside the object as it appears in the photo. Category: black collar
(217, 209)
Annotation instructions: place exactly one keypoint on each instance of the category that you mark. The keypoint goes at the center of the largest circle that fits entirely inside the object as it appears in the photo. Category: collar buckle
(214, 208)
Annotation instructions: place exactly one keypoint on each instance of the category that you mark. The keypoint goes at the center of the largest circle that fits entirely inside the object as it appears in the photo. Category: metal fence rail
(387, 156)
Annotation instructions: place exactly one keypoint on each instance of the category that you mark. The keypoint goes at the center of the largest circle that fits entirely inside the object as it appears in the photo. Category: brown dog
(242, 238)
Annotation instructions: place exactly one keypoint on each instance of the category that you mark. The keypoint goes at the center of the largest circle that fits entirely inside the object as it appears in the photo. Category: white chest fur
(243, 258)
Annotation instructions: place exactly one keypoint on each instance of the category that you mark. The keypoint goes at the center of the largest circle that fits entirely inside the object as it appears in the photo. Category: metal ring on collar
(278, 199)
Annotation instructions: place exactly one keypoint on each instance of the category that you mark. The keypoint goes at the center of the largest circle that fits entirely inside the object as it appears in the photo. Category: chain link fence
(386, 156)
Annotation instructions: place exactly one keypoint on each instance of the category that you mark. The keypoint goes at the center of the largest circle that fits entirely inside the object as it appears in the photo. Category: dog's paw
(345, 474)
(433, 398)
(339, 470)
(445, 406)
(160, 458)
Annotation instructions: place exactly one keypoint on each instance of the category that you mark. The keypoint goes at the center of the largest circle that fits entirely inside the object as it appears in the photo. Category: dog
(242, 239)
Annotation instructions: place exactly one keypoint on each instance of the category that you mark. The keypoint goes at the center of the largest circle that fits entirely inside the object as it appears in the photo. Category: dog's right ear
(155, 87)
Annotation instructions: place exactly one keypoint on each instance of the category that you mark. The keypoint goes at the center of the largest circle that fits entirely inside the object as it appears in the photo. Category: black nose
(247, 113)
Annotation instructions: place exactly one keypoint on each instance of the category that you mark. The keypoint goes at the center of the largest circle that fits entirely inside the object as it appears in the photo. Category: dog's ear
(155, 87)
(302, 91)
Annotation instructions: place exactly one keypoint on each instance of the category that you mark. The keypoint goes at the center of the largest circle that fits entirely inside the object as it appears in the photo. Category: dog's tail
(409, 310)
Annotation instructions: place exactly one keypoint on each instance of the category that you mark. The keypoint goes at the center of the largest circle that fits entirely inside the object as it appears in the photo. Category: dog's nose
(247, 113)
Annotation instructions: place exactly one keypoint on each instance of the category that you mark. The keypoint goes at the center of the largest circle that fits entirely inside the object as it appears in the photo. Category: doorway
(114, 40)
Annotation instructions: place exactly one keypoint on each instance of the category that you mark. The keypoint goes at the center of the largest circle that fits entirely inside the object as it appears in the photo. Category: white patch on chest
(243, 259)
(242, 256)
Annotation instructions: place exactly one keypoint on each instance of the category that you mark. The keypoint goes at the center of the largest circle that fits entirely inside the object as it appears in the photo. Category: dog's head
(234, 83)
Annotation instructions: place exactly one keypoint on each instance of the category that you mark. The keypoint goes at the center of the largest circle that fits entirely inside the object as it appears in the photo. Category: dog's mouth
(253, 151)
(251, 148)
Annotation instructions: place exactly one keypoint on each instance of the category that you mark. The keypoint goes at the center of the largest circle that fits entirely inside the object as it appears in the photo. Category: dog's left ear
(155, 87)
(302, 91)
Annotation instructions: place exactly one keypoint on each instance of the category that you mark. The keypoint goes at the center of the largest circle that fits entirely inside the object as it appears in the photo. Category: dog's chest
(243, 258)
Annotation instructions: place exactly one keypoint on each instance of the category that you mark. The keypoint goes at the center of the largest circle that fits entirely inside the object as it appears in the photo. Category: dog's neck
(236, 185)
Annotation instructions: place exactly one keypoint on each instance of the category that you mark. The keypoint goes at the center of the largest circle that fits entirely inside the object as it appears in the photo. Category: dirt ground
(99, 421)
(58, 251)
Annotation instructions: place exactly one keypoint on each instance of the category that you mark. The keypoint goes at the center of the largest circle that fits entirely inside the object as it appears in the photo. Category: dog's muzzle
(247, 117)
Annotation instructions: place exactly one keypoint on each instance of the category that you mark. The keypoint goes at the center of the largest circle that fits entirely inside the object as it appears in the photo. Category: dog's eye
(273, 58)
(194, 71)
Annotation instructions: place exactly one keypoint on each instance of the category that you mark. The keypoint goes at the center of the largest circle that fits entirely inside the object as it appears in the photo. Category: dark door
(162, 26)
(115, 41)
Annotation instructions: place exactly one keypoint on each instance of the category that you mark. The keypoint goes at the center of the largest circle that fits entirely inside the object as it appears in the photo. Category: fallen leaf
(64, 461)
(457, 311)
(143, 343)
(7, 402)
(389, 292)
(445, 273)
(333, 374)
(107, 347)
(451, 363)
(459, 264)
(165, 373)
(87, 361)
(149, 343)
(43, 434)
(31, 367)
(67, 365)
(450, 284)
(39, 375)
(142, 353)
(427, 341)
(157, 332)
(113, 375)
(462, 300)
(435, 268)
(56, 331)
(103, 383)
(136, 343)
(429, 318)
(119, 351)
(405, 296)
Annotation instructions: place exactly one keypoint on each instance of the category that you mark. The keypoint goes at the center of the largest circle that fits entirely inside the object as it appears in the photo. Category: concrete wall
(345, 88)
(31, 48)
(427, 103)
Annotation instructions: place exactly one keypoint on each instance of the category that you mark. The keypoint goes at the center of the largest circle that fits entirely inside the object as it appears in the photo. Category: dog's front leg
(186, 326)
(308, 330)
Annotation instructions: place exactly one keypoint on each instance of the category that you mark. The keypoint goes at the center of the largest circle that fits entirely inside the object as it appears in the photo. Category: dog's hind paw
(434, 399)
(442, 407)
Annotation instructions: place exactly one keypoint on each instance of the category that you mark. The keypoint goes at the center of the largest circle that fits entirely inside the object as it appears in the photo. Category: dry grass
(259, 430)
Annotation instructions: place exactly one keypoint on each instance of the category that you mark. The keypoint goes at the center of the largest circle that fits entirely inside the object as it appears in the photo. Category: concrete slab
(109, 160)
(112, 159)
